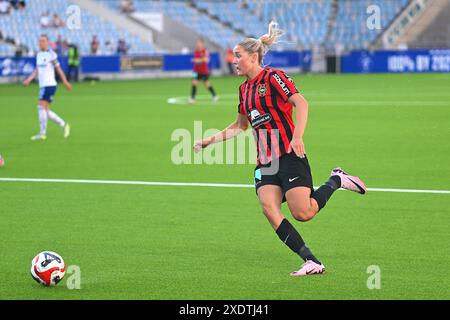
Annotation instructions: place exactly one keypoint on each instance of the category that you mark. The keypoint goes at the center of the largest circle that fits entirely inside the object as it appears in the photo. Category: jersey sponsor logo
(257, 119)
(262, 89)
(282, 84)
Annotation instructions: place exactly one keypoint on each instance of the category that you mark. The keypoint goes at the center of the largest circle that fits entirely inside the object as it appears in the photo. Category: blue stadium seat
(305, 22)
(351, 30)
(24, 25)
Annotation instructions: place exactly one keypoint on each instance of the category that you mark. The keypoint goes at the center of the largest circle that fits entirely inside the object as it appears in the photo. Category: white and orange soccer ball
(48, 268)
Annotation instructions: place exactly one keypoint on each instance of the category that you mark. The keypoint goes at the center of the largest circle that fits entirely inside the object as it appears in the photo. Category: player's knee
(44, 106)
(302, 215)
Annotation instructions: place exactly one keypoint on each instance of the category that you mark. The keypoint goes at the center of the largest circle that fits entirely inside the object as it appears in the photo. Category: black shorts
(293, 172)
(201, 76)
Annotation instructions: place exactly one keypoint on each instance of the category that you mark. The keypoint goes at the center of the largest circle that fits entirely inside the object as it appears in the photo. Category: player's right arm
(30, 78)
(202, 59)
(235, 128)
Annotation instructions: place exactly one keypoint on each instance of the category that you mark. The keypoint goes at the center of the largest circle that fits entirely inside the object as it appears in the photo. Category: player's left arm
(205, 59)
(62, 76)
(301, 118)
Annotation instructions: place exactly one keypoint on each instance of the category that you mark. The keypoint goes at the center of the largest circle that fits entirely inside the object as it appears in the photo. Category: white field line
(191, 184)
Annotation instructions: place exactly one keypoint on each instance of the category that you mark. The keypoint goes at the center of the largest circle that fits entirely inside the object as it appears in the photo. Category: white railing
(403, 22)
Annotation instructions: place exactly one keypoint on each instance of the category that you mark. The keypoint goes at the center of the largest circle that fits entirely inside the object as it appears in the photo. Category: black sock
(323, 194)
(287, 233)
(193, 92)
(211, 89)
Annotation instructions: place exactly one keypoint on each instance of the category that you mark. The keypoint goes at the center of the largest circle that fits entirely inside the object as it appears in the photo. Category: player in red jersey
(266, 101)
(201, 70)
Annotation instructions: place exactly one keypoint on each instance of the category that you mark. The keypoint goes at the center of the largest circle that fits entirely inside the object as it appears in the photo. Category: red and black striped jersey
(264, 100)
(201, 67)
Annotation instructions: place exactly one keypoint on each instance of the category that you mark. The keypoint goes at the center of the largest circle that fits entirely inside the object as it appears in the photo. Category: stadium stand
(435, 34)
(350, 29)
(7, 49)
(24, 27)
(186, 14)
(226, 22)
(307, 23)
(234, 16)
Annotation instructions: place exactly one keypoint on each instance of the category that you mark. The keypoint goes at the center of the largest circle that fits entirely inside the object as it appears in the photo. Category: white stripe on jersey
(45, 64)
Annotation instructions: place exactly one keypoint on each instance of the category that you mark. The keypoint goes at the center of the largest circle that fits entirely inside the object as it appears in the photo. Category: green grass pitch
(184, 242)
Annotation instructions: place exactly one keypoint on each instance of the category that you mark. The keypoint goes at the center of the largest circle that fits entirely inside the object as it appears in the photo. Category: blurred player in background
(46, 65)
(229, 57)
(201, 70)
(266, 101)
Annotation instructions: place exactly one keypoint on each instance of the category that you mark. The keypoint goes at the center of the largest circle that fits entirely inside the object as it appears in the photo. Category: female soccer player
(282, 173)
(201, 70)
(46, 64)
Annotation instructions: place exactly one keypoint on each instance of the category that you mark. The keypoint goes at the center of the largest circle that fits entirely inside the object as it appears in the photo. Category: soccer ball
(48, 268)
(2, 161)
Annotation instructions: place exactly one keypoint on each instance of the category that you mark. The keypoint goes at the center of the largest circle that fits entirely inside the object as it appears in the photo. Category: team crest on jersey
(262, 89)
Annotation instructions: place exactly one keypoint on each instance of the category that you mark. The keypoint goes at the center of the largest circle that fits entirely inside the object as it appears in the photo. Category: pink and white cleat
(309, 268)
(349, 182)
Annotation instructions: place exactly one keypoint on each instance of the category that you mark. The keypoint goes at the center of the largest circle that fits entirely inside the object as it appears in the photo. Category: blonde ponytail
(262, 45)
(271, 37)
